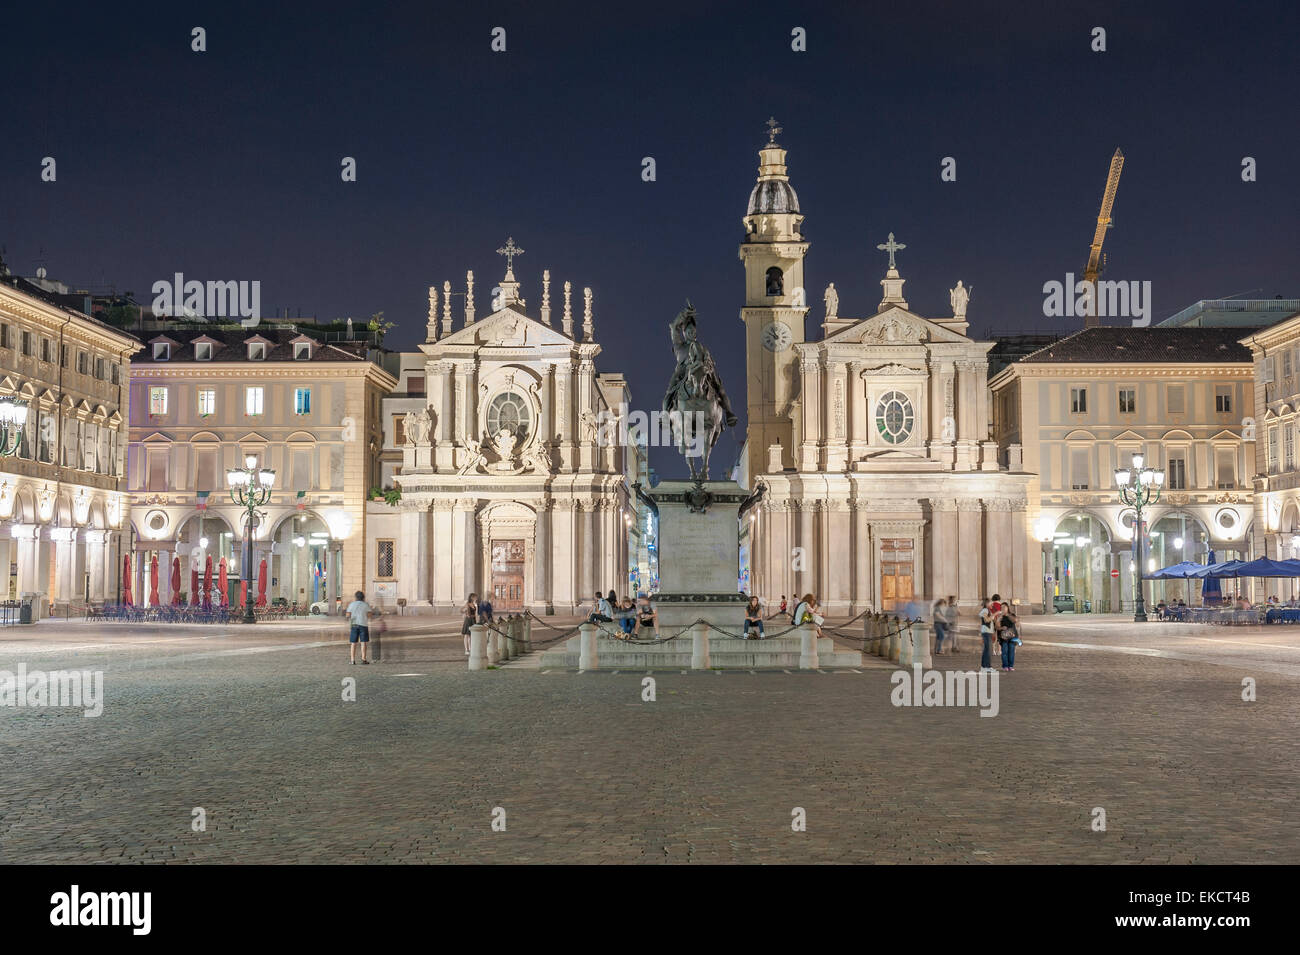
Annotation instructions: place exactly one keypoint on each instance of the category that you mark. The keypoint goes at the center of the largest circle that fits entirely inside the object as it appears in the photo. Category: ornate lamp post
(250, 488)
(13, 417)
(1139, 487)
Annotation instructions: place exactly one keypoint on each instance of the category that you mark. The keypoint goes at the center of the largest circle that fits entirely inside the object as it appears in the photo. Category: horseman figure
(696, 402)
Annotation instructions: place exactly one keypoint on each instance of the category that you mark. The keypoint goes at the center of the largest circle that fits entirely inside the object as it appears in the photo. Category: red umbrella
(176, 581)
(261, 583)
(153, 581)
(207, 584)
(126, 580)
(221, 580)
(194, 585)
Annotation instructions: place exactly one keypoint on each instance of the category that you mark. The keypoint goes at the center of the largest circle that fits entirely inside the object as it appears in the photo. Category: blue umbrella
(1179, 571)
(1211, 593)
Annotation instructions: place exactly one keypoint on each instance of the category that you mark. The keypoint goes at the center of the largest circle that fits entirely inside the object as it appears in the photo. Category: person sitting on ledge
(626, 615)
(806, 612)
(753, 618)
(646, 616)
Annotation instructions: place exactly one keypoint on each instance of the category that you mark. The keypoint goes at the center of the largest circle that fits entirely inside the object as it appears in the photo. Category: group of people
(632, 617)
(998, 620)
(475, 611)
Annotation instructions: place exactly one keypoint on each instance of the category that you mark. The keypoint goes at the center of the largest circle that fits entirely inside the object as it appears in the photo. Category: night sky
(225, 164)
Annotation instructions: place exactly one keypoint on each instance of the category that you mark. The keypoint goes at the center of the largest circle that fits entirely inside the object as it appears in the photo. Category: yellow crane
(1103, 223)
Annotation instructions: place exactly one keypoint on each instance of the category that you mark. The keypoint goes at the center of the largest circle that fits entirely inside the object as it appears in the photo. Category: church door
(896, 563)
(507, 576)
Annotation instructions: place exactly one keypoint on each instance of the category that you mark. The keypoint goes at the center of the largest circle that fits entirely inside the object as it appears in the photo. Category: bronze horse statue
(696, 402)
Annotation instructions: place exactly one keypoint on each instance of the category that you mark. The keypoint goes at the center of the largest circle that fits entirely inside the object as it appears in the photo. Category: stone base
(725, 653)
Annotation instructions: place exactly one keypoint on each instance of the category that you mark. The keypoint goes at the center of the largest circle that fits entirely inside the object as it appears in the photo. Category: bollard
(895, 642)
(866, 634)
(921, 645)
(504, 638)
(493, 648)
(905, 648)
(879, 646)
(526, 635)
(516, 629)
(477, 647)
(587, 646)
(700, 646)
(808, 647)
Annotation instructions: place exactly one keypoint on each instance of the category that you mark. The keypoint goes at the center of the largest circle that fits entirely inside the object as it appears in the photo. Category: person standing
(986, 634)
(1008, 637)
(485, 614)
(950, 620)
(940, 623)
(471, 618)
(359, 613)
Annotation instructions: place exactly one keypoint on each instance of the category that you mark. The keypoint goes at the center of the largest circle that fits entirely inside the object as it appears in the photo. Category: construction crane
(1103, 223)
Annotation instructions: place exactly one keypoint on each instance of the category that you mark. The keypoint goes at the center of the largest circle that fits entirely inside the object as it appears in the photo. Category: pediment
(1225, 435)
(1128, 436)
(507, 328)
(252, 438)
(157, 438)
(894, 326)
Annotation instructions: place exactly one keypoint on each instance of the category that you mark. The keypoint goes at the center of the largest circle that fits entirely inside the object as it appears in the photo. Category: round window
(511, 412)
(894, 417)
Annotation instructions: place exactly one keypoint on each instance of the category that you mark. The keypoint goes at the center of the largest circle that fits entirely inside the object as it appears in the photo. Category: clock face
(776, 337)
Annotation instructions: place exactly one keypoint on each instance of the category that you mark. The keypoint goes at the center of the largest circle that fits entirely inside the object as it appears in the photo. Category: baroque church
(504, 488)
(873, 441)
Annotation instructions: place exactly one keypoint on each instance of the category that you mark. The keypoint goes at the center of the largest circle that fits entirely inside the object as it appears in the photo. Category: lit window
(203, 351)
(302, 351)
(302, 401)
(256, 351)
(157, 400)
(207, 401)
(1127, 400)
(1223, 399)
(1078, 400)
(894, 417)
(253, 401)
(161, 351)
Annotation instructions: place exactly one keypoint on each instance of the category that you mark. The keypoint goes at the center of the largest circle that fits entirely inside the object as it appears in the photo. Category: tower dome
(772, 196)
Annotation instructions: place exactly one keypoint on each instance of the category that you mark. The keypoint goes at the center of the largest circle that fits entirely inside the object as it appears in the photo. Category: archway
(1081, 563)
(1173, 538)
(305, 563)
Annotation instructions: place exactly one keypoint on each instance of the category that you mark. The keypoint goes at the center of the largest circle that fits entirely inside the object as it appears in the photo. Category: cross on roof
(772, 130)
(510, 251)
(891, 247)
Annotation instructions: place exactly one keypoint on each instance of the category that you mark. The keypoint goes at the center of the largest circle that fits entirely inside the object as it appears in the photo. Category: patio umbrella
(1211, 593)
(153, 581)
(126, 580)
(176, 581)
(207, 584)
(1179, 571)
(194, 585)
(1227, 568)
(261, 583)
(221, 582)
(1264, 567)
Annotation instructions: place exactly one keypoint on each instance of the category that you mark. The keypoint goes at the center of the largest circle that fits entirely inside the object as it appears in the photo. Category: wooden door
(897, 560)
(507, 576)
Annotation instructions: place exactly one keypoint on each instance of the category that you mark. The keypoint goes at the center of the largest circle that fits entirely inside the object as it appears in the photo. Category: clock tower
(776, 302)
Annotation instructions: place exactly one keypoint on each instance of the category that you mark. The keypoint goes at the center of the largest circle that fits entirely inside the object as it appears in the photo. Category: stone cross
(891, 247)
(772, 130)
(510, 250)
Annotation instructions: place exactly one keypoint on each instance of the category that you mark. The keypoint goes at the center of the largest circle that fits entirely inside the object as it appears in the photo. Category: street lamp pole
(1139, 487)
(250, 488)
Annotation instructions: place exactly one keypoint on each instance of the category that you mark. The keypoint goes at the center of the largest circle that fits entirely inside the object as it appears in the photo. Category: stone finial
(446, 307)
(546, 296)
(566, 323)
(586, 315)
(431, 324)
(469, 298)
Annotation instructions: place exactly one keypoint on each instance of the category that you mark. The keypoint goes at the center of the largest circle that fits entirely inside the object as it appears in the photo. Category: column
(863, 590)
(543, 558)
(587, 586)
(839, 547)
(586, 372)
(970, 571)
(413, 550)
(24, 536)
(944, 553)
(62, 590)
(564, 400)
(810, 401)
(857, 411)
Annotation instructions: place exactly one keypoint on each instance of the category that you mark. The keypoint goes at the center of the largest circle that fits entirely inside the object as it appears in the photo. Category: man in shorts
(359, 613)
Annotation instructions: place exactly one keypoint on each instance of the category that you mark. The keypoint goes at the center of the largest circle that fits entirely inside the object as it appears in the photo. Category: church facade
(505, 489)
(882, 485)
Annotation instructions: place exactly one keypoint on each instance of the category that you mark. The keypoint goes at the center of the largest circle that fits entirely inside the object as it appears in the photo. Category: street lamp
(1139, 487)
(13, 417)
(250, 488)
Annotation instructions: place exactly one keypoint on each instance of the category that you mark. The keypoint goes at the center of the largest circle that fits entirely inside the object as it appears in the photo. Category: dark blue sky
(225, 164)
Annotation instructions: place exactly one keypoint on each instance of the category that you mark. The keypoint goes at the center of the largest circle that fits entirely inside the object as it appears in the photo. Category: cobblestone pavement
(250, 724)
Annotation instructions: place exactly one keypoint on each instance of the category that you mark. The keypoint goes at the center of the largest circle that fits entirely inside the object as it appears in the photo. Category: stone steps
(724, 652)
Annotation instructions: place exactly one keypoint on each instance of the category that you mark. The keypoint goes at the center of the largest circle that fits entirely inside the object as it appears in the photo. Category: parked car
(1063, 603)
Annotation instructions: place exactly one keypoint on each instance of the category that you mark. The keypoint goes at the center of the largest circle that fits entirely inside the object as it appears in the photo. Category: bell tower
(776, 304)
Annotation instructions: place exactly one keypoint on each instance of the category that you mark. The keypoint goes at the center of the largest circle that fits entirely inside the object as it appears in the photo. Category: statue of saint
(958, 297)
(832, 300)
(408, 428)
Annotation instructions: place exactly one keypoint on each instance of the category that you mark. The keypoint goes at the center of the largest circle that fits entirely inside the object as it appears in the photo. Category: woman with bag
(1009, 637)
(806, 612)
(940, 620)
(986, 634)
(471, 617)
